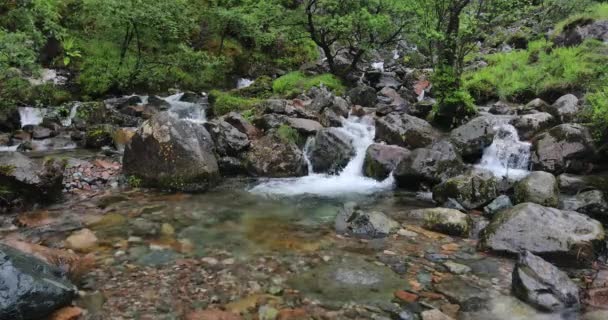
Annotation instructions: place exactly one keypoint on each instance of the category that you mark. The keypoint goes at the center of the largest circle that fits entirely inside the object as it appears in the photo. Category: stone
(543, 285)
(473, 137)
(562, 237)
(565, 148)
(39, 133)
(469, 295)
(443, 220)
(536, 105)
(503, 108)
(405, 296)
(229, 141)
(592, 203)
(174, 154)
(241, 124)
(305, 127)
(565, 109)
(331, 151)
(538, 187)
(27, 181)
(405, 131)
(426, 167)
(580, 30)
(81, 240)
(368, 225)
(271, 156)
(392, 97)
(212, 314)
(574, 184)
(457, 268)
(381, 160)
(363, 95)
(98, 136)
(434, 314)
(501, 203)
(122, 137)
(421, 109)
(529, 125)
(472, 190)
(31, 289)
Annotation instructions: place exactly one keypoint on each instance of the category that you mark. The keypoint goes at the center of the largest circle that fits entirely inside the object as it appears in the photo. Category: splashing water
(8, 148)
(243, 83)
(507, 156)
(66, 122)
(31, 116)
(349, 181)
(189, 111)
(378, 66)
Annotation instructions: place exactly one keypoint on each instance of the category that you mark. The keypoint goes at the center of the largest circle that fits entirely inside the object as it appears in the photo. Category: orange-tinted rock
(406, 296)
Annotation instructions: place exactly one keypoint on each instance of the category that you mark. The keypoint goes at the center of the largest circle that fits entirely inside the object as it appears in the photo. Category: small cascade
(190, 111)
(378, 66)
(67, 121)
(8, 148)
(507, 156)
(349, 181)
(243, 83)
(31, 116)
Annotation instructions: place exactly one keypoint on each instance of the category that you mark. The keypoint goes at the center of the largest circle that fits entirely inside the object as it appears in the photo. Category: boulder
(229, 141)
(100, 135)
(530, 125)
(333, 114)
(391, 97)
(170, 153)
(305, 127)
(387, 80)
(270, 121)
(592, 203)
(563, 237)
(564, 148)
(241, 124)
(158, 103)
(331, 151)
(381, 160)
(538, 187)
(421, 109)
(501, 203)
(565, 109)
(503, 108)
(26, 181)
(429, 166)
(368, 225)
(542, 285)
(231, 166)
(574, 184)
(476, 135)
(39, 133)
(31, 289)
(444, 220)
(580, 30)
(363, 95)
(405, 130)
(271, 156)
(535, 105)
(472, 190)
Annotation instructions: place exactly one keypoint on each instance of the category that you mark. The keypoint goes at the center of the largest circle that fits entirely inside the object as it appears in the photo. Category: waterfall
(507, 156)
(31, 116)
(243, 83)
(349, 181)
(8, 148)
(189, 111)
(378, 66)
(66, 122)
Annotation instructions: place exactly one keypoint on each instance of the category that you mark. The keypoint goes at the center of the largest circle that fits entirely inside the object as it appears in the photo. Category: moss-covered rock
(98, 136)
(381, 160)
(444, 220)
(538, 187)
(472, 190)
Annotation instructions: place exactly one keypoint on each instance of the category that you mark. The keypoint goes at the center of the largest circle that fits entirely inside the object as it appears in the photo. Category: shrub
(225, 102)
(296, 82)
(598, 11)
(598, 102)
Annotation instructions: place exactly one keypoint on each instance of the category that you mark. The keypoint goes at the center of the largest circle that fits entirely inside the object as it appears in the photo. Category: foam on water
(189, 111)
(507, 156)
(243, 83)
(8, 148)
(349, 181)
(31, 116)
(66, 122)
(378, 66)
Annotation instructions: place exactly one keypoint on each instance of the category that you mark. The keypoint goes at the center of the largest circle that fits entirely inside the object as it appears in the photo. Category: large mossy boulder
(538, 187)
(30, 288)
(543, 285)
(100, 135)
(276, 157)
(564, 148)
(563, 237)
(471, 190)
(172, 154)
(405, 131)
(25, 182)
(351, 220)
(426, 167)
(331, 151)
(444, 220)
(381, 160)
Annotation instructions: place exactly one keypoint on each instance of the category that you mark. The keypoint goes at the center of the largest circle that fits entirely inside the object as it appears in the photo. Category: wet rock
(387, 80)
(305, 127)
(457, 268)
(538, 187)
(241, 124)
(564, 148)
(476, 135)
(542, 285)
(26, 181)
(565, 109)
(231, 166)
(81, 240)
(444, 220)
(434, 315)
(321, 99)
(472, 190)
(353, 221)
(331, 151)
(503, 108)
(530, 125)
(158, 103)
(391, 97)
(592, 203)
(421, 109)
(229, 141)
(563, 237)
(363, 95)
(501, 203)
(39, 132)
(535, 105)
(170, 153)
(405, 130)
(429, 166)
(333, 114)
(270, 156)
(574, 184)
(98, 136)
(31, 289)
(465, 293)
(122, 137)
(270, 121)
(381, 160)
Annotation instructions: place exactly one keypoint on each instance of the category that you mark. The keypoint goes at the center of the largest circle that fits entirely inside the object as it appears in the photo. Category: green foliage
(260, 88)
(598, 102)
(225, 102)
(540, 70)
(296, 82)
(289, 134)
(134, 182)
(454, 105)
(597, 11)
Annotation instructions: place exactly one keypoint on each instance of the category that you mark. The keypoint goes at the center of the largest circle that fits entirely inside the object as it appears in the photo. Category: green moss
(225, 102)
(296, 82)
(260, 88)
(7, 170)
(289, 134)
(597, 112)
(134, 181)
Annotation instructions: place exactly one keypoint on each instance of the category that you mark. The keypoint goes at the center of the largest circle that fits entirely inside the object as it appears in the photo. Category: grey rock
(564, 148)
(39, 132)
(457, 268)
(592, 203)
(536, 105)
(363, 95)
(271, 156)
(581, 30)
(229, 141)
(476, 135)
(381, 160)
(501, 203)
(305, 126)
(565, 109)
(538, 187)
(405, 130)
(444, 220)
(174, 154)
(563, 237)
(331, 151)
(503, 108)
(353, 221)
(530, 125)
(421, 109)
(543, 285)
(472, 190)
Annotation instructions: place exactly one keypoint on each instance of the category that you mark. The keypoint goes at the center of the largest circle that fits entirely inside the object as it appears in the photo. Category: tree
(354, 27)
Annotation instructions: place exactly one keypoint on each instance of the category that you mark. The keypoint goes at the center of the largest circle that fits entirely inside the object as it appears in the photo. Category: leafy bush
(598, 102)
(225, 102)
(296, 82)
(540, 70)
